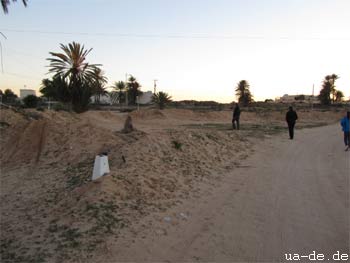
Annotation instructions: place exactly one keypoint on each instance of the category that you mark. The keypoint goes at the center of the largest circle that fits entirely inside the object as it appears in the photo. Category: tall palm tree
(243, 93)
(71, 65)
(5, 4)
(325, 92)
(98, 84)
(333, 78)
(119, 91)
(329, 91)
(339, 95)
(134, 90)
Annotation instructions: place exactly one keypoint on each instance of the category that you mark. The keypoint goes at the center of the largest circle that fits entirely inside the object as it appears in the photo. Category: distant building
(146, 97)
(297, 98)
(25, 92)
(104, 99)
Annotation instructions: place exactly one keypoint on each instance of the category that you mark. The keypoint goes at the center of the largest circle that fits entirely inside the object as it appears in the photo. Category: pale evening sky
(197, 49)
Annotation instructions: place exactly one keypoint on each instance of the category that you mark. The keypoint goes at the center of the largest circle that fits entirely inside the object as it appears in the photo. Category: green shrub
(31, 101)
(161, 99)
(177, 145)
(60, 107)
(40, 109)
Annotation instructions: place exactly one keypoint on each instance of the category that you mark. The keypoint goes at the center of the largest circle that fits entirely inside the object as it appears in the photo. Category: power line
(21, 76)
(23, 53)
(180, 36)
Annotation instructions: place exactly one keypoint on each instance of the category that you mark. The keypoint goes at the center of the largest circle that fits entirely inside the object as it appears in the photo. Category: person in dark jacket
(235, 117)
(345, 124)
(291, 118)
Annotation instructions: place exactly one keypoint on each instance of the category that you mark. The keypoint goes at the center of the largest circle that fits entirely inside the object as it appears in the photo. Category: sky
(196, 49)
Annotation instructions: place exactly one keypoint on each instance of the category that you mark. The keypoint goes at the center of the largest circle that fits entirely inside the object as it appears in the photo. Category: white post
(126, 90)
(101, 167)
(155, 86)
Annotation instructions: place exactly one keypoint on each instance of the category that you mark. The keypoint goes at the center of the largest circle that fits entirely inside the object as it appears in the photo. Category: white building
(146, 97)
(104, 99)
(297, 98)
(25, 92)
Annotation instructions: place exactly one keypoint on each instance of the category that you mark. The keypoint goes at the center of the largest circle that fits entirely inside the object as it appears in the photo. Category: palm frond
(5, 4)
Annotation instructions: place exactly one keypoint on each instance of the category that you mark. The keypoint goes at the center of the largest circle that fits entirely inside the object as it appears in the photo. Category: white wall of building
(291, 98)
(146, 97)
(25, 92)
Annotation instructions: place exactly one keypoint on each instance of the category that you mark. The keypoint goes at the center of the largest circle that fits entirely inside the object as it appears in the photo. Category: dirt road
(288, 197)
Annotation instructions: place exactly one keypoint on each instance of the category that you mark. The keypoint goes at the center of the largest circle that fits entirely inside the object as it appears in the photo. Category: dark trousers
(347, 138)
(234, 121)
(291, 129)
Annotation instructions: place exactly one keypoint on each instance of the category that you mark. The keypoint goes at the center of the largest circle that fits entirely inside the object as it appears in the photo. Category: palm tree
(71, 65)
(328, 93)
(339, 95)
(119, 91)
(56, 89)
(333, 78)
(133, 90)
(325, 92)
(98, 84)
(46, 88)
(243, 93)
(161, 99)
(5, 4)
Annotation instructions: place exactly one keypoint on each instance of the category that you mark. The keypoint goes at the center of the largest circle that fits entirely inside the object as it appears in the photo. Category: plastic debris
(167, 218)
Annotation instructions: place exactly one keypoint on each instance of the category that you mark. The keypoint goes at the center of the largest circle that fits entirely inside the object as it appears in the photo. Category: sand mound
(102, 115)
(180, 115)
(148, 114)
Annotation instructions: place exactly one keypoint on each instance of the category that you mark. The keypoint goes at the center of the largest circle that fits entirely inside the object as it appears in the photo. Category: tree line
(75, 81)
(328, 94)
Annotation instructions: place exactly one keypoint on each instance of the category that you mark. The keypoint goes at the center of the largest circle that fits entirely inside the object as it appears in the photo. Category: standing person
(345, 124)
(235, 117)
(291, 118)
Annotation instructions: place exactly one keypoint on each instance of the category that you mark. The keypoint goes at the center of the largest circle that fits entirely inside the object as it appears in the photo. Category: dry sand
(212, 196)
(288, 197)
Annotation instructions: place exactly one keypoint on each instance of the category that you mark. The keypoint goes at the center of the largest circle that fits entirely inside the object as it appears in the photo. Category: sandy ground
(182, 187)
(289, 197)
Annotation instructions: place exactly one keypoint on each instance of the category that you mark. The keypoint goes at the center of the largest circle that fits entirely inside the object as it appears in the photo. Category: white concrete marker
(101, 166)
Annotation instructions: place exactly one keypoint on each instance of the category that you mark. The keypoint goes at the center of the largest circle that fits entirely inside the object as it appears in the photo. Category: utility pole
(312, 97)
(155, 85)
(2, 65)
